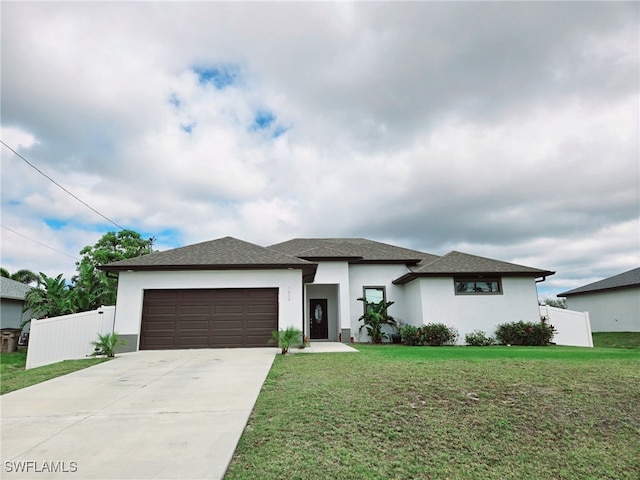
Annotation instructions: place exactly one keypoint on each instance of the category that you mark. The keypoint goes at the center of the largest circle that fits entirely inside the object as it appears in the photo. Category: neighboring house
(12, 295)
(230, 293)
(613, 303)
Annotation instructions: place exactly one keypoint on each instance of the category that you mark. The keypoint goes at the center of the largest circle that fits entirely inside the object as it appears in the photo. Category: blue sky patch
(188, 128)
(220, 76)
(263, 119)
(278, 131)
(174, 100)
(55, 224)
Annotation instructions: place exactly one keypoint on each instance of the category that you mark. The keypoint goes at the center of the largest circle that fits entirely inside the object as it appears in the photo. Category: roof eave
(248, 266)
(408, 277)
(570, 293)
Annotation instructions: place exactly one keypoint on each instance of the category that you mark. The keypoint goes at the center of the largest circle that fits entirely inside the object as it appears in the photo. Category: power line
(40, 243)
(64, 189)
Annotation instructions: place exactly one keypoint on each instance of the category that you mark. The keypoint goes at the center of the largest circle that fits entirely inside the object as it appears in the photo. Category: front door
(318, 323)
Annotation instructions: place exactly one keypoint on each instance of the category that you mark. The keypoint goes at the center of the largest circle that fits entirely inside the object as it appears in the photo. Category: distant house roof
(356, 250)
(458, 263)
(13, 290)
(222, 254)
(622, 280)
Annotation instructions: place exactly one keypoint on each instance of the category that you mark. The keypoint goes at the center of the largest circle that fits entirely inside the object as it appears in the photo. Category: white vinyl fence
(574, 328)
(67, 337)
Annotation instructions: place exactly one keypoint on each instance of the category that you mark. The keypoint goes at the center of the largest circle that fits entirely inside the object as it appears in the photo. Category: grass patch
(616, 339)
(13, 376)
(446, 412)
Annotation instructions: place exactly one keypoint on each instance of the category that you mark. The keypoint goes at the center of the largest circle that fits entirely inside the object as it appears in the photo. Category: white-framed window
(478, 286)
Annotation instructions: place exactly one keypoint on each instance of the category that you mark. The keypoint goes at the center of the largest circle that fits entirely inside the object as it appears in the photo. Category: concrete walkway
(324, 347)
(143, 415)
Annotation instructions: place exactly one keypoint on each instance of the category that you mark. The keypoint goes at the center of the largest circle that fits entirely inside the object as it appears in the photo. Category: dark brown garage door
(239, 317)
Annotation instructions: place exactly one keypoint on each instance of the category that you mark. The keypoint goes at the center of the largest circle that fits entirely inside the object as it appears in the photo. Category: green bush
(437, 334)
(285, 339)
(410, 335)
(478, 338)
(525, 333)
(433, 334)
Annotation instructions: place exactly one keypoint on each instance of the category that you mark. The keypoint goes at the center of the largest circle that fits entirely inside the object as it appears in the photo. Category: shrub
(434, 334)
(410, 335)
(525, 333)
(437, 334)
(478, 338)
(106, 344)
(285, 339)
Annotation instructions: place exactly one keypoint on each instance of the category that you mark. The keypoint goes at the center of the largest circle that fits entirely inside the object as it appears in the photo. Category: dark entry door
(319, 325)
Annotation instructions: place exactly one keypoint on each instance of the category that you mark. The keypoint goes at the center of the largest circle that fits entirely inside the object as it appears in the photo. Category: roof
(220, 254)
(458, 263)
(230, 253)
(622, 280)
(12, 289)
(355, 250)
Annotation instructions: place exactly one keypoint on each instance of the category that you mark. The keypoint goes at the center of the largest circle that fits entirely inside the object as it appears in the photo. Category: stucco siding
(335, 273)
(440, 304)
(375, 276)
(413, 299)
(610, 311)
(131, 287)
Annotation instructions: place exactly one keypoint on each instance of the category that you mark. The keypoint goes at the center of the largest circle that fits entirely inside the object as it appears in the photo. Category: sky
(508, 130)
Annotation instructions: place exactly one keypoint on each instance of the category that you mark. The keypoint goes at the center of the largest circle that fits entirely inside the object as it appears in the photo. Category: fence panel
(574, 328)
(67, 337)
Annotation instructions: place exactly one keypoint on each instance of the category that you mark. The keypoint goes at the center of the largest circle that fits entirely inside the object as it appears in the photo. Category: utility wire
(56, 183)
(40, 243)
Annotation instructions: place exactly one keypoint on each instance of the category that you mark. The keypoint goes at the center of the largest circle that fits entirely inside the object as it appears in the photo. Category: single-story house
(12, 296)
(231, 293)
(613, 303)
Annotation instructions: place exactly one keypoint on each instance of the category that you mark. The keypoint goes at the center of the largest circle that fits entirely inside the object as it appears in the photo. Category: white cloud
(507, 130)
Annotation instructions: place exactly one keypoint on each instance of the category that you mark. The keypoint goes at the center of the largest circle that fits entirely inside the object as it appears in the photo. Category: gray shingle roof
(231, 253)
(356, 249)
(458, 263)
(222, 253)
(622, 280)
(12, 289)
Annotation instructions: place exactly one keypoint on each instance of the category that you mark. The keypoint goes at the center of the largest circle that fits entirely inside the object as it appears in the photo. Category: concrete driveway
(143, 415)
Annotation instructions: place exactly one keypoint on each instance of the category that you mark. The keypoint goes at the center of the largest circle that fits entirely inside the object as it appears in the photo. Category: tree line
(89, 288)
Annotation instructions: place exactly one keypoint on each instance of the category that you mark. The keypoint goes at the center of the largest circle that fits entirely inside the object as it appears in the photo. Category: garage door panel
(189, 341)
(160, 326)
(194, 309)
(261, 309)
(163, 309)
(229, 309)
(207, 318)
(199, 325)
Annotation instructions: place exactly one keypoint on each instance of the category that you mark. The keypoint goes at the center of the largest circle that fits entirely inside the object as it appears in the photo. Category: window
(478, 286)
(374, 294)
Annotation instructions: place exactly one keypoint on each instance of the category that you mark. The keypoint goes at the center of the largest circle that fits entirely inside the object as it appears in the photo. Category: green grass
(13, 376)
(446, 412)
(616, 339)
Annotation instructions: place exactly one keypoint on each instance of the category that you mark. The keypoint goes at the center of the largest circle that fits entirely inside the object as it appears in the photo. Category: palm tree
(23, 276)
(51, 298)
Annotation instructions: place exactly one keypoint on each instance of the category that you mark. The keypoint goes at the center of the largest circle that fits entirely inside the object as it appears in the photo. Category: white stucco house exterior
(231, 293)
(613, 303)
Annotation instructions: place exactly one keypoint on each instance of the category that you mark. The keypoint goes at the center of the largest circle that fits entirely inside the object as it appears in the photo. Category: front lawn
(446, 412)
(616, 339)
(13, 376)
